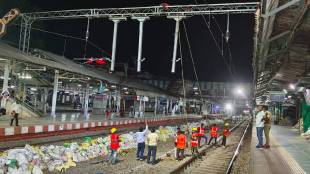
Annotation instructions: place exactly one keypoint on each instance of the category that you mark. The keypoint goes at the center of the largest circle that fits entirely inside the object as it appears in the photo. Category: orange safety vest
(114, 142)
(201, 131)
(214, 130)
(194, 140)
(226, 132)
(181, 141)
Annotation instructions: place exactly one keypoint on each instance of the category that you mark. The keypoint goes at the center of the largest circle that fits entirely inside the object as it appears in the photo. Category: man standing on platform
(15, 113)
(267, 126)
(260, 126)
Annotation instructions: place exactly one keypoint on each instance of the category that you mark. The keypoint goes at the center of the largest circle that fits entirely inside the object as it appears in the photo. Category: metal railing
(31, 108)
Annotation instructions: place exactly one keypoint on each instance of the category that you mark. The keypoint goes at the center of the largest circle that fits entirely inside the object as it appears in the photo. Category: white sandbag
(37, 170)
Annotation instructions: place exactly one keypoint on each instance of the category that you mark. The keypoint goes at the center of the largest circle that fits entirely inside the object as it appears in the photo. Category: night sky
(157, 42)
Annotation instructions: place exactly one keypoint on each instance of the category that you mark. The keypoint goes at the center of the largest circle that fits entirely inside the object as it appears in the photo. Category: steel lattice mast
(176, 12)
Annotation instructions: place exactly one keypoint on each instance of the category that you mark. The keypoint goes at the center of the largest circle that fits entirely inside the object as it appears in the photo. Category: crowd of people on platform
(263, 125)
(183, 139)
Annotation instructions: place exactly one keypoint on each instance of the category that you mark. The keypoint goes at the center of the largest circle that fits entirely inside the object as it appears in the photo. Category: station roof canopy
(281, 45)
(56, 62)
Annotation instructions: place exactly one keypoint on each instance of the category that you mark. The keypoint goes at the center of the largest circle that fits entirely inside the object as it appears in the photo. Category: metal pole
(54, 100)
(141, 22)
(45, 99)
(5, 81)
(155, 107)
(115, 21)
(86, 98)
(140, 106)
(6, 75)
(167, 107)
(176, 36)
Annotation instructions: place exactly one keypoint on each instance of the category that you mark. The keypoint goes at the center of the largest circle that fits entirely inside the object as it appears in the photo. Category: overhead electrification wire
(193, 62)
(183, 80)
(228, 45)
(216, 43)
(68, 36)
(64, 50)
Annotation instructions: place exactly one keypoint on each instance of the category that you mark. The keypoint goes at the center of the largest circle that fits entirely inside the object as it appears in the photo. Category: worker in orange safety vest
(213, 134)
(114, 146)
(181, 144)
(194, 142)
(202, 134)
(226, 133)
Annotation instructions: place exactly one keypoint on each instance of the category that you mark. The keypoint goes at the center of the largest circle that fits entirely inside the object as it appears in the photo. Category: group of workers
(181, 143)
(198, 133)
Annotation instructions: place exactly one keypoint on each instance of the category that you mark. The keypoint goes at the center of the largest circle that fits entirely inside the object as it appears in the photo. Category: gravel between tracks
(242, 164)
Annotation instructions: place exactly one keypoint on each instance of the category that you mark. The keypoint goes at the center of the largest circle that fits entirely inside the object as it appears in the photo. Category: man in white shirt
(140, 138)
(260, 126)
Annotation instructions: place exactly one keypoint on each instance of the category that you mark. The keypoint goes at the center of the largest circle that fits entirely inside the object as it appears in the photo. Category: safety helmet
(113, 130)
(226, 124)
(194, 129)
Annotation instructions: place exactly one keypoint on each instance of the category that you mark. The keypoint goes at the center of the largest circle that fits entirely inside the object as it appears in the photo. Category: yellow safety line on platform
(291, 162)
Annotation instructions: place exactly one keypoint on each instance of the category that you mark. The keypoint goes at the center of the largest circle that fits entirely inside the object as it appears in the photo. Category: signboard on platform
(277, 96)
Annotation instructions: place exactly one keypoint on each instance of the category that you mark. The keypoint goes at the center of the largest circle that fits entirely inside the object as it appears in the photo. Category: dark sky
(158, 39)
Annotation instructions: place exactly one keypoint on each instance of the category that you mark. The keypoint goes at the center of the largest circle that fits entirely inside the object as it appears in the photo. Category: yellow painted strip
(291, 162)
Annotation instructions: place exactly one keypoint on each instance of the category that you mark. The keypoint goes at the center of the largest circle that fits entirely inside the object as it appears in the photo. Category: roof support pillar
(54, 99)
(86, 100)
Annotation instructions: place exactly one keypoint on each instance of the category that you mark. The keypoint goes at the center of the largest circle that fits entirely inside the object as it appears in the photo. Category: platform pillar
(140, 107)
(141, 22)
(5, 81)
(86, 98)
(44, 100)
(155, 107)
(167, 107)
(54, 100)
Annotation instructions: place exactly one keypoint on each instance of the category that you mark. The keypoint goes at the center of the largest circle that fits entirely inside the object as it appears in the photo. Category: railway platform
(289, 152)
(48, 126)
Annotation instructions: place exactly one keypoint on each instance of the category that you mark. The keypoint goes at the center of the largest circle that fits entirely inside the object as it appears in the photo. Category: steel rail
(228, 170)
(202, 150)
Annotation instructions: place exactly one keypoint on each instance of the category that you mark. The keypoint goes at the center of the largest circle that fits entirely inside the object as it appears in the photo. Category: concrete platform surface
(289, 153)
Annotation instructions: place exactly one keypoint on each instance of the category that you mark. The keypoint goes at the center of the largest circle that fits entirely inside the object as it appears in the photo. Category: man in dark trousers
(140, 138)
(15, 113)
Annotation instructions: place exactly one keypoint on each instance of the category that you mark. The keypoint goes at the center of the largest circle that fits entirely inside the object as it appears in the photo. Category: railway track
(167, 163)
(217, 160)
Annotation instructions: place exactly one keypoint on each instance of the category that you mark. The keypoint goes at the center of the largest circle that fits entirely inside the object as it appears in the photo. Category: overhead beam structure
(173, 10)
(274, 48)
